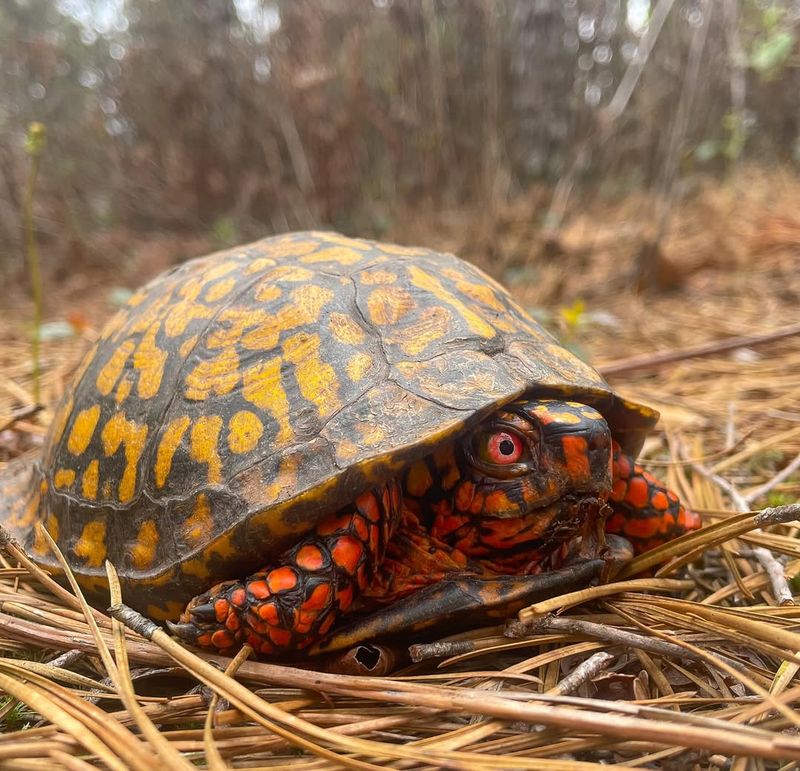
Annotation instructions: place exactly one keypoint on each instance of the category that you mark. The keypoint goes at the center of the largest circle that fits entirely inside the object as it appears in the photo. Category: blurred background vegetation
(209, 122)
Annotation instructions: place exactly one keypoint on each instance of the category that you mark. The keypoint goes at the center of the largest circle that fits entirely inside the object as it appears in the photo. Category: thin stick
(774, 570)
(783, 474)
(583, 672)
(611, 635)
(666, 187)
(631, 77)
(775, 573)
(34, 145)
(607, 118)
(646, 361)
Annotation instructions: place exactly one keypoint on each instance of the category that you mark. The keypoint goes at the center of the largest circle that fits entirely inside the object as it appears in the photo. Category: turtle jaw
(578, 522)
(592, 532)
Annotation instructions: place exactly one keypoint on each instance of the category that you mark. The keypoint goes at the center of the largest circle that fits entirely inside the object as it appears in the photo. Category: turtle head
(542, 462)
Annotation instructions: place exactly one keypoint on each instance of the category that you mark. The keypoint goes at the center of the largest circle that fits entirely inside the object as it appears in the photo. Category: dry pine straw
(697, 664)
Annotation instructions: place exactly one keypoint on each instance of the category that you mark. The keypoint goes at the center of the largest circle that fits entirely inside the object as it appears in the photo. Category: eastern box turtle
(362, 418)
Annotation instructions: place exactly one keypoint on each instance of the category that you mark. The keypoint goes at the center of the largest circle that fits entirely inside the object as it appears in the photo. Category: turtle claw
(204, 612)
(186, 632)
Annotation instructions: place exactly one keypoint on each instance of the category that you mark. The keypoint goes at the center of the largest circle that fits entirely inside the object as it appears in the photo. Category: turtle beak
(579, 446)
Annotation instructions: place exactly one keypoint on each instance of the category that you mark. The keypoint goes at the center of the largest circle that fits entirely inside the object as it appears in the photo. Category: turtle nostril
(599, 442)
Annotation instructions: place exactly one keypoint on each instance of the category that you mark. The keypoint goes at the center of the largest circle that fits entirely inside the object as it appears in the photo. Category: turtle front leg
(645, 511)
(292, 603)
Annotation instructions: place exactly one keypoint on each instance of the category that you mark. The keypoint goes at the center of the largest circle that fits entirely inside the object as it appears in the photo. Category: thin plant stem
(34, 145)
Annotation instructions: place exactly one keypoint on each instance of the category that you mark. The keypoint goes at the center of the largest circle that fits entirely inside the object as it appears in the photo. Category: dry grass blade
(265, 713)
(12, 548)
(604, 590)
(735, 671)
(91, 737)
(136, 753)
(741, 619)
(170, 757)
(213, 756)
(55, 673)
(689, 547)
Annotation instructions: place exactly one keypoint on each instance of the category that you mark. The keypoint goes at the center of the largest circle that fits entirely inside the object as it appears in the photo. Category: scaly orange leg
(645, 511)
(289, 605)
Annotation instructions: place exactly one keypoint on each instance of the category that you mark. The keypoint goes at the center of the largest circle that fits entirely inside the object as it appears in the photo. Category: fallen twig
(647, 360)
(23, 413)
(774, 569)
(586, 670)
(605, 632)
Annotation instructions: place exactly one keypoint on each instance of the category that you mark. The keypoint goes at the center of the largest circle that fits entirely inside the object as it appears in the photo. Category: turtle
(273, 437)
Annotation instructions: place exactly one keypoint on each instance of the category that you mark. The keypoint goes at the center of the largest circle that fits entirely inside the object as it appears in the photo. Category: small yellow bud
(36, 138)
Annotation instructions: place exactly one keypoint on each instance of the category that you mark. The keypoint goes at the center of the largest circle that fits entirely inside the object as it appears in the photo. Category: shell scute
(422, 311)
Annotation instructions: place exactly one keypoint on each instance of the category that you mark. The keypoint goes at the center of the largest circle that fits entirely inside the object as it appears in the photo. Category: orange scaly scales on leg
(645, 511)
(288, 606)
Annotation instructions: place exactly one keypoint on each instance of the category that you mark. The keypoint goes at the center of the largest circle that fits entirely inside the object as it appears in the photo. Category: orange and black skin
(504, 500)
(644, 511)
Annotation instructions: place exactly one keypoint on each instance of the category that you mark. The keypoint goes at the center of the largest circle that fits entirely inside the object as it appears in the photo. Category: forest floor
(728, 441)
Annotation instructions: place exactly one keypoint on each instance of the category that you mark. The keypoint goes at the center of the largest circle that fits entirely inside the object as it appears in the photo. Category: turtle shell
(236, 400)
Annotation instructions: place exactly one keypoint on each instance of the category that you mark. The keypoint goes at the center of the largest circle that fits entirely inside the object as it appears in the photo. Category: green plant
(730, 146)
(774, 45)
(15, 714)
(225, 232)
(35, 141)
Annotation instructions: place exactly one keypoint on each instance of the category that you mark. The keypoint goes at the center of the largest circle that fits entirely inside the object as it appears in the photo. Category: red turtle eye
(500, 448)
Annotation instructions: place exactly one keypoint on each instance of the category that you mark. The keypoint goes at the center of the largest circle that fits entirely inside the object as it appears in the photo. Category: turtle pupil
(507, 447)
